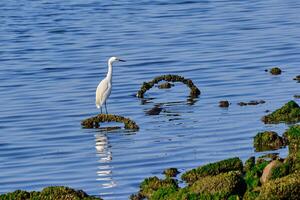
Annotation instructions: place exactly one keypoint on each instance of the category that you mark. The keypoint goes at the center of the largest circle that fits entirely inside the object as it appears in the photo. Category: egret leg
(105, 107)
(101, 109)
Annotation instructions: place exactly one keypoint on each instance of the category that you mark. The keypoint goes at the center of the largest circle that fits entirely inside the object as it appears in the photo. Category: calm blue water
(52, 56)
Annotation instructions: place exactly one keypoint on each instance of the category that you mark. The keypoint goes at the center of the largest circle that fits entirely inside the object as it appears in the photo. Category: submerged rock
(275, 71)
(297, 78)
(49, 193)
(251, 103)
(231, 164)
(154, 111)
(194, 91)
(289, 113)
(224, 104)
(268, 140)
(287, 187)
(94, 122)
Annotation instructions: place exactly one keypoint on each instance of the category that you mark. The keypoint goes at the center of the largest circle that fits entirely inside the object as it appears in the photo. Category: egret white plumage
(104, 88)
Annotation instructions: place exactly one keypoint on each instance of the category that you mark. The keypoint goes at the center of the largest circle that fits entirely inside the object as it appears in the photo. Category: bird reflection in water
(104, 172)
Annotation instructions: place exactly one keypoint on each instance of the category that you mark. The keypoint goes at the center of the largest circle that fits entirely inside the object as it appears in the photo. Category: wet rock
(171, 172)
(231, 164)
(297, 78)
(224, 104)
(194, 91)
(292, 135)
(268, 140)
(94, 122)
(165, 85)
(275, 71)
(154, 111)
(287, 187)
(53, 192)
(251, 103)
(222, 185)
(297, 96)
(289, 113)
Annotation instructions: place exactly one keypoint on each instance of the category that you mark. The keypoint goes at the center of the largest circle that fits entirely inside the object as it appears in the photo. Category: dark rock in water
(268, 140)
(94, 122)
(289, 113)
(171, 172)
(224, 104)
(297, 78)
(251, 103)
(154, 111)
(53, 192)
(275, 71)
(165, 85)
(232, 164)
(297, 96)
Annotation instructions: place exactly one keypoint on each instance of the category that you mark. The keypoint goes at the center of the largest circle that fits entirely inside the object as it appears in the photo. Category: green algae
(222, 185)
(287, 187)
(275, 71)
(289, 113)
(252, 177)
(171, 172)
(268, 140)
(231, 164)
(292, 135)
(94, 122)
(49, 193)
(194, 91)
(249, 164)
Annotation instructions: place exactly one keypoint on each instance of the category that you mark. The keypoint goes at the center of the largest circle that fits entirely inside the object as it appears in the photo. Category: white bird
(104, 88)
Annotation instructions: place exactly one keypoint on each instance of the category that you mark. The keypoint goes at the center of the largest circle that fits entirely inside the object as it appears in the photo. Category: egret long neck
(109, 73)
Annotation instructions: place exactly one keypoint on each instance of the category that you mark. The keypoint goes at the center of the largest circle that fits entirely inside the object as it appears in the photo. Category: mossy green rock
(222, 185)
(275, 71)
(171, 172)
(94, 122)
(284, 188)
(268, 140)
(292, 135)
(152, 184)
(289, 113)
(49, 193)
(232, 164)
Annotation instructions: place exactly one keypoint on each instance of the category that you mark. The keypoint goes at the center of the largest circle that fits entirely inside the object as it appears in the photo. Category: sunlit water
(53, 55)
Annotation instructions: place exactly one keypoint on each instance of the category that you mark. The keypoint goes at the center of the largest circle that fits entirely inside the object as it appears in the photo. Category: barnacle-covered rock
(94, 122)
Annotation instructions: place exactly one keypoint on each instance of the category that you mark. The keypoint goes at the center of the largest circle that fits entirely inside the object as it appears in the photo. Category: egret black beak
(122, 60)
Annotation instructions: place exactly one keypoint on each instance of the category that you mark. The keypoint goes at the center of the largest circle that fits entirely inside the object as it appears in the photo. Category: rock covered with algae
(289, 113)
(49, 193)
(171, 172)
(268, 140)
(231, 164)
(292, 135)
(194, 91)
(275, 71)
(94, 122)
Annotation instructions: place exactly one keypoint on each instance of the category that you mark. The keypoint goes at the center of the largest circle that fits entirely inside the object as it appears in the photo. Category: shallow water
(53, 55)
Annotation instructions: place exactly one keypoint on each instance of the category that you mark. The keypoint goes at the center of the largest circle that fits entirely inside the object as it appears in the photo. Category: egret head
(113, 59)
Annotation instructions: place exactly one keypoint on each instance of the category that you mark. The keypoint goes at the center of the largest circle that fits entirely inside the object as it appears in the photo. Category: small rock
(275, 71)
(165, 85)
(297, 78)
(171, 172)
(154, 111)
(267, 172)
(224, 104)
(251, 103)
(297, 96)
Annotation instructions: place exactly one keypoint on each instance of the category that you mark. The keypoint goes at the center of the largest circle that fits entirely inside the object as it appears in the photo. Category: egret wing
(101, 90)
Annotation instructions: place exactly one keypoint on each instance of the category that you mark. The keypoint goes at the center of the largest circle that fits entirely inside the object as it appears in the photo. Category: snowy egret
(104, 88)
